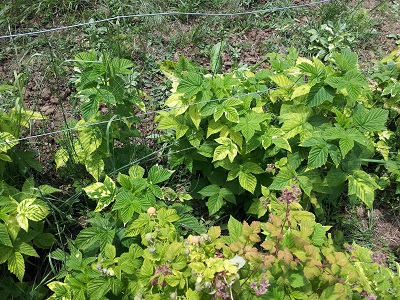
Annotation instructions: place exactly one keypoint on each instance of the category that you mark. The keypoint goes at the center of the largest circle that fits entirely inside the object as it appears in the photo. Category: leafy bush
(290, 256)
(22, 215)
(253, 133)
(110, 83)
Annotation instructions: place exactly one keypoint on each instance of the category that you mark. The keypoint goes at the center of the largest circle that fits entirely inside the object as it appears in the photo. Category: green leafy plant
(290, 256)
(246, 131)
(22, 215)
(330, 37)
(14, 123)
(109, 83)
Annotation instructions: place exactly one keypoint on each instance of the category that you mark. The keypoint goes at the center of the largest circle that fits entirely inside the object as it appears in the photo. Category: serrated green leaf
(136, 171)
(89, 108)
(247, 181)
(318, 156)
(363, 186)
(4, 237)
(25, 248)
(210, 190)
(147, 268)
(234, 228)
(191, 84)
(372, 120)
(7, 141)
(318, 237)
(5, 253)
(250, 123)
(110, 251)
(335, 154)
(16, 265)
(61, 157)
(94, 165)
(297, 280)
(320, 93)
(158, 174)
(345, 145)
(44, 240)
(60, 289)
(283, 179)
(98, 287)
(346, 60)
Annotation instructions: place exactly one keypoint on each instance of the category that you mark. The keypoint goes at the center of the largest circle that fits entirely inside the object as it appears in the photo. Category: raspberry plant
(311, 123)
(290, 256)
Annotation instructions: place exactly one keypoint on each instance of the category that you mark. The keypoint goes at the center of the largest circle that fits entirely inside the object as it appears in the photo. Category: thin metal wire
(170, 13)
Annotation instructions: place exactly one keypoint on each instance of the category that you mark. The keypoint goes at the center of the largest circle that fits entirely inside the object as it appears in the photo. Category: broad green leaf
(252, 168)
(335, 154)
(234, 228)
(7, 141)
(214, 203)
(346, 60)
(98, 287)
(44, 240)
(191, 85)
(318, 237)
(195, 116)
(89, 109)
(281, 80)
(372, 120)
(172, 280)
(281, 142)
(247, 181)
(103, 193)
(297, 280)
(94, 165)
(209, 190)
(345, 145)
(136, 171)
(250, 123)
(61, 157)
(283, 179)
(318, 156)
(16, 265)
(110, 251)
(48, 190)
(25, 248)
(61, 289)
(318, 94)
(90, 138)
(5, 253)
(363, 186)
(158, 174)
(335, 177)
(229, 149)
(231, 114)
(4, 237)
(147, 268)
(32, 209)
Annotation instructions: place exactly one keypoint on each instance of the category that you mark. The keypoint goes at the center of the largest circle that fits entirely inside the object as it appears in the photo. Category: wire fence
(170, 13)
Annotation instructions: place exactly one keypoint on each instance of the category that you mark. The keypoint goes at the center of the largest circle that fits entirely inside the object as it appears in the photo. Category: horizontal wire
(170, 13)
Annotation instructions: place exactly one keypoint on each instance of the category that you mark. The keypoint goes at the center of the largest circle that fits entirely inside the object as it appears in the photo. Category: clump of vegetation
(190, 157)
